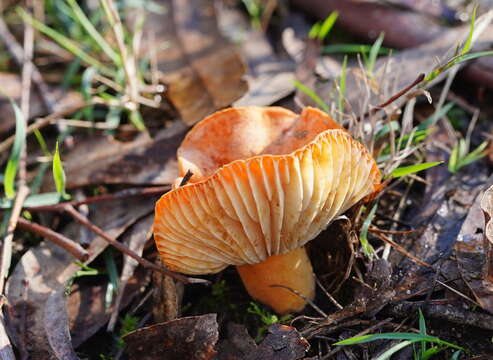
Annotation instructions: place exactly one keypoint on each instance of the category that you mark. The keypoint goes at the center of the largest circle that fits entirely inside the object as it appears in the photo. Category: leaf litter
(440, 222)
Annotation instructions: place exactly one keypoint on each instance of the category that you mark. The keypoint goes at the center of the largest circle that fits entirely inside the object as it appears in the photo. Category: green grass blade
(312, 95)
(363, 237)
(82, 19)
(136, 119)
(15, 155)
(85, 87)
(468, 43)
(411, 169)
(387, 336)
(65, 42)
(353, 49)
(422, 331)
(342, 88)
(327, 25)
(314, 31)
(456, 355)
(453, 160)
(431, 120)
(59, 174)
(372, 57)
(387, 354)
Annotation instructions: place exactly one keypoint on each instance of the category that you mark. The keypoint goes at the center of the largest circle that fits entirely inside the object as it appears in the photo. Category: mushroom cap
(266, 181)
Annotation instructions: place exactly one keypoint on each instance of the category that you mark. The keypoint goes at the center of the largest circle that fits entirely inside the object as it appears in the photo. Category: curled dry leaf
(202, 70)
(191, 338)
(473, 250)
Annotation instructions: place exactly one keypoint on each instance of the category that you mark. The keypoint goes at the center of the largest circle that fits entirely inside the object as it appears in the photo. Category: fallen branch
(71, 246)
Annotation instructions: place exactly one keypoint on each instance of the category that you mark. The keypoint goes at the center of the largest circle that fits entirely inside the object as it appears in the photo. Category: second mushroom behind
(265, 182)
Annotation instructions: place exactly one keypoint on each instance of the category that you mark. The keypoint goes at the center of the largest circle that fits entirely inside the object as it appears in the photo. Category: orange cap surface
(266, 181)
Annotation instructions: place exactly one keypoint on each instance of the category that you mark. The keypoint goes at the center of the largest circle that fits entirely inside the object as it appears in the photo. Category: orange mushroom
(265, 182)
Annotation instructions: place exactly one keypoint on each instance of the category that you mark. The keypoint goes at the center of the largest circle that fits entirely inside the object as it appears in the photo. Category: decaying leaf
(99, 159)
(281, 343)
(202, 70)
(474, 250)
(56, 326)
(270, 78)
(487, 206)
(191, 338)
(47, 268)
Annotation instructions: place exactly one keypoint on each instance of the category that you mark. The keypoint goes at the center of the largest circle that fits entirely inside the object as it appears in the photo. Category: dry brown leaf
(191, 338)
(99, 159)
(470, 250)
(269, 77)
(47, 267)
(474, 250)
(202, 70)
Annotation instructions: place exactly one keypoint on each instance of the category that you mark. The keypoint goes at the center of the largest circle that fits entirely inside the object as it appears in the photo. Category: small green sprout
(461, 156)
(408, 339)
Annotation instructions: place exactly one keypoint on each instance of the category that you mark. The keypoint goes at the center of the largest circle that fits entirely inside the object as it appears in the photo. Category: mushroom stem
(292, 270)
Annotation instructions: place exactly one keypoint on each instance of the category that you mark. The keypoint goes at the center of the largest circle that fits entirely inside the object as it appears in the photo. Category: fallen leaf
(202, 70)
(190, 338)
(56, 326)
(99, 159)
(282, 342)
(269, 77)
(474, 250)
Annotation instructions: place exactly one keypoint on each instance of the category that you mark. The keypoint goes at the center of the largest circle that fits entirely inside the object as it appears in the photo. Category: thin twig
(69, 209)
(124, 194)
(64, 242)
(364, 332)
(329, 296)
(42, 122)
(403, 251)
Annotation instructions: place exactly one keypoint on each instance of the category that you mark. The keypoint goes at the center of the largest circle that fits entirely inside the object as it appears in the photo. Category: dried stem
(71, 246)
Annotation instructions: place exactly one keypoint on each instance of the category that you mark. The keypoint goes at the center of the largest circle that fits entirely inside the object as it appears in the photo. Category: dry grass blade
(403, 251)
